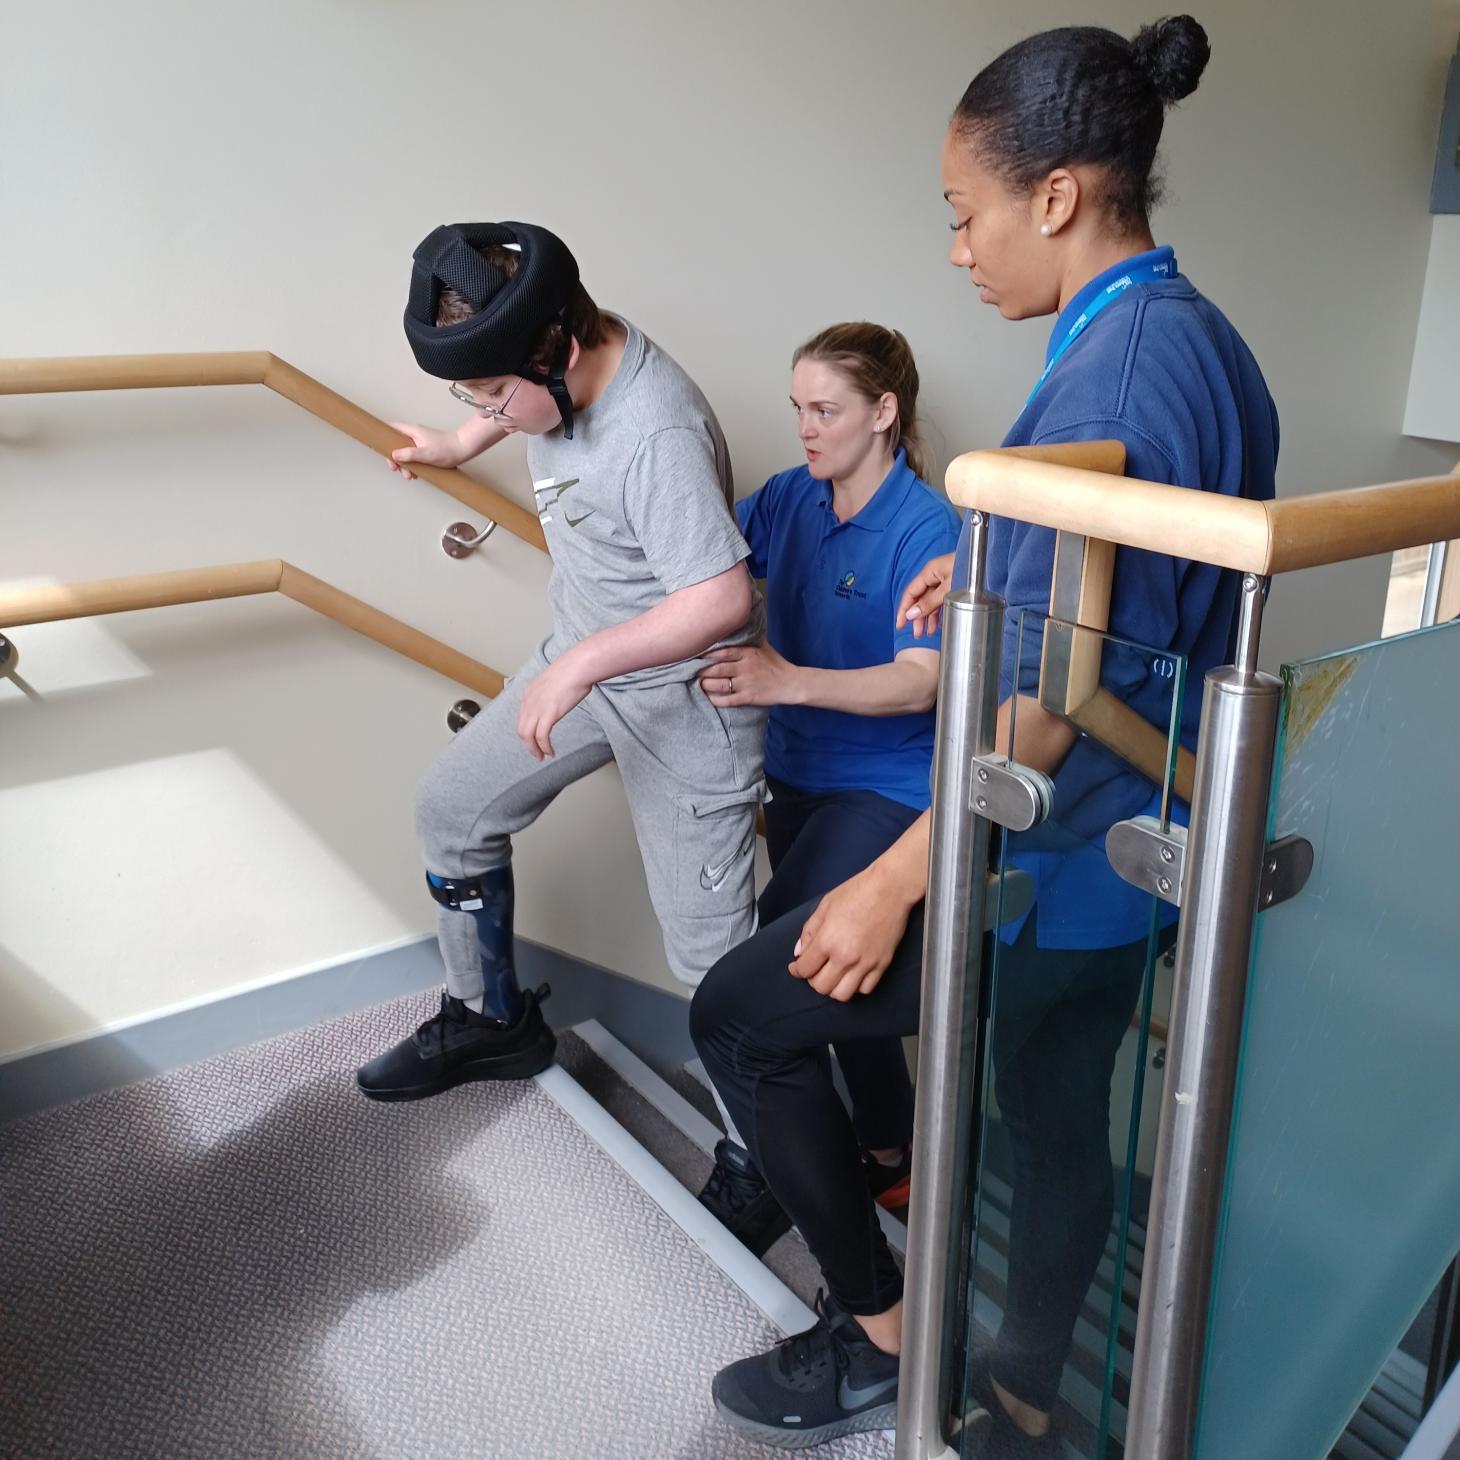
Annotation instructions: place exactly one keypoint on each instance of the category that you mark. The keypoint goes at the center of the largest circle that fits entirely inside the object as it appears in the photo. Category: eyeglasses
(492, 413)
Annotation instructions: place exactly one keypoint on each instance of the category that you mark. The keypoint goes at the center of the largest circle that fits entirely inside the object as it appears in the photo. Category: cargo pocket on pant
(714, 852)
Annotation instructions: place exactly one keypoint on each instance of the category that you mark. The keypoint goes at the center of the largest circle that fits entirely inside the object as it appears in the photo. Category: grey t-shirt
(637, 505)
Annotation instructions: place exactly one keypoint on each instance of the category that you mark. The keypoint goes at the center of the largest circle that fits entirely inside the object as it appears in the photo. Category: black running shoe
(830, 1381)
(460, 1045)
(741, 1201)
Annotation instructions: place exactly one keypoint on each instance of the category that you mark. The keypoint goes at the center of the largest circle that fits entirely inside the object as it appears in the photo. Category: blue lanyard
(1144, 274)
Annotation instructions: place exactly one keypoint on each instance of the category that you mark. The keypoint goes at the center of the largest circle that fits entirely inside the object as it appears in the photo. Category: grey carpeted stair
(247, 1259)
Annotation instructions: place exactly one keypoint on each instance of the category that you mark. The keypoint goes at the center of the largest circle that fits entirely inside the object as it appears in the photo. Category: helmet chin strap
(557, 381)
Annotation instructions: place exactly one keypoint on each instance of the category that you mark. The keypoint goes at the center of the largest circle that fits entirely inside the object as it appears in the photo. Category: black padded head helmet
(511, 313)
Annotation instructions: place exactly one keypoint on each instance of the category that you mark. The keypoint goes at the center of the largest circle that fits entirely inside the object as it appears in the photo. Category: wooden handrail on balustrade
(1075, 692)
(259, 367)
(1076, 489)
(49, 603)
(1253, 537)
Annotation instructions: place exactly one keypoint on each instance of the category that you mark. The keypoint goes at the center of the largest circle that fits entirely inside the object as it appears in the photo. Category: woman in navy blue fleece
(1047, 166)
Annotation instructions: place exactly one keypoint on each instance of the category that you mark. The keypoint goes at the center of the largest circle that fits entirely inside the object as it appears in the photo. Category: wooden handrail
(1074, 691)
(1102, 456)
(1253, 537)
(1333, 527)
(1159, 1028)
(259, 367)
(47, 604)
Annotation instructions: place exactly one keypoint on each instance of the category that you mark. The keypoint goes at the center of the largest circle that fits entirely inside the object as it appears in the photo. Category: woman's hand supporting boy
(755, 674)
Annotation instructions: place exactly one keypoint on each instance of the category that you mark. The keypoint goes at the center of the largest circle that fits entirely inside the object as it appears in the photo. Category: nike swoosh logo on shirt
(850, 1398)
(574, 521)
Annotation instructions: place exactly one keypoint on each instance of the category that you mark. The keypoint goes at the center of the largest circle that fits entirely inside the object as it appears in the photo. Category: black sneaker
(460, 1045)
(990, 1434)
(741, 1201)
(891, 1186)
(830, 1381)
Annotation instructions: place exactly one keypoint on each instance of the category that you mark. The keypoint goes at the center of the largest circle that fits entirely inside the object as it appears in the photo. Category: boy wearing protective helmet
(632, 480)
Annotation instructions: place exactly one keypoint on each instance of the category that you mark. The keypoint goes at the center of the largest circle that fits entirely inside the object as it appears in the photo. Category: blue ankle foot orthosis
(488, 898)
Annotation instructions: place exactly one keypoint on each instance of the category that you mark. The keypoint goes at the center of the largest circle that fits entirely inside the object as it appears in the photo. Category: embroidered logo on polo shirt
(845, 587)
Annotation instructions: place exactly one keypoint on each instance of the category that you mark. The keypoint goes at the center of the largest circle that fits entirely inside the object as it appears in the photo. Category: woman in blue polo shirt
(1047, 165)
(849, 743)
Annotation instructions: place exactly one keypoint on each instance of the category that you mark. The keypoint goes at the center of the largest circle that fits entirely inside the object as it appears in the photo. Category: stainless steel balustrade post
(952, 972)
(1219, 904)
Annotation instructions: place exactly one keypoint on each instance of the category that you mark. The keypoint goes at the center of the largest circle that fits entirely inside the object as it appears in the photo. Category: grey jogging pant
(693, 776)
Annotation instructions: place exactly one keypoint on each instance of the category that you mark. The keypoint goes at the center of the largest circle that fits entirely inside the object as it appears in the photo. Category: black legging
(816, 841)
(1061, 1016)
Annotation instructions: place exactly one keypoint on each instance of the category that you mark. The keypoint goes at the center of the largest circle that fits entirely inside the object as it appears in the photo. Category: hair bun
(1172, 53)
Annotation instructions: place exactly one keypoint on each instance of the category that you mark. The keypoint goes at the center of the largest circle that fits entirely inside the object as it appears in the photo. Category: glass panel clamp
(1154, 860)
(1286, 866)
(1147, 857)
(1008, 794)
(1008, 896)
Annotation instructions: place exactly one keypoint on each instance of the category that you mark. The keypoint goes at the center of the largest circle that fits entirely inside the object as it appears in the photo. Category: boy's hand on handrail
(428, 446)
(924, 596)
(443, 448)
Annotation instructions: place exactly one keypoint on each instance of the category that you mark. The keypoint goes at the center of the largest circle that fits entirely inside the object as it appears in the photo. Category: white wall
(204, 797)
(1432, 407)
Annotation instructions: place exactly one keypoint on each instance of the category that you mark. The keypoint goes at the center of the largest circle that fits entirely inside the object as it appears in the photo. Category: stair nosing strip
(652, 1086)
(761, 1286)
